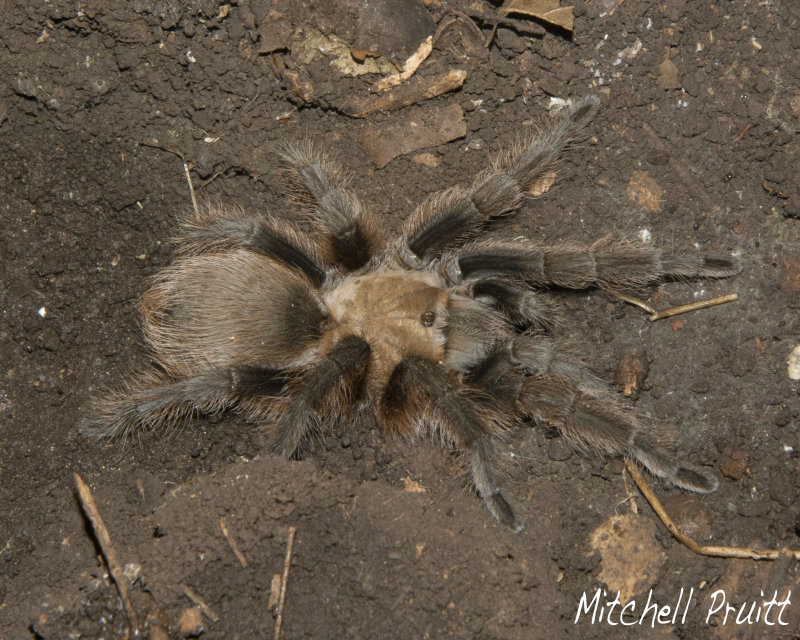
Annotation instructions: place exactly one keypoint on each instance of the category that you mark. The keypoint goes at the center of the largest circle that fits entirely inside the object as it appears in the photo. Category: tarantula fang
(439, 332)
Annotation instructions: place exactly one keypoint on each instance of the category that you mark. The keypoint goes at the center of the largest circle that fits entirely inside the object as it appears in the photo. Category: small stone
(558, 450)
(735, 467)
(191, 623)
(794, 364)
(427, 159)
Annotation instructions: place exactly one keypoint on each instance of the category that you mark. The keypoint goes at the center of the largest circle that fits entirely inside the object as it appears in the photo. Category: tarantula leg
(352, 235)
(450, 217)
(420, 395)
(153, 402)
(576, 267)
(216, 228)
(299, 411)
(522, 306)
(560, 391)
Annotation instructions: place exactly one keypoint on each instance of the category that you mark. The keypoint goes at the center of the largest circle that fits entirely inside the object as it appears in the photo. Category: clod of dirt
(274, 34)
(735, 466)
(631, 373)
(644, 191)
(632, 559)
(419, 130)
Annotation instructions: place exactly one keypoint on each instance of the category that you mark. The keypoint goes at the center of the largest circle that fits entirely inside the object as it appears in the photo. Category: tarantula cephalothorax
(438, 332)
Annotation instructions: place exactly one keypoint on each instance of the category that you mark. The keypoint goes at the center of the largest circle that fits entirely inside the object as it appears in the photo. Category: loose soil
(88, 205)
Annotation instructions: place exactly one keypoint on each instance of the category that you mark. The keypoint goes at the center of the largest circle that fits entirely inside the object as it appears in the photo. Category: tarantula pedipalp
(435, 333)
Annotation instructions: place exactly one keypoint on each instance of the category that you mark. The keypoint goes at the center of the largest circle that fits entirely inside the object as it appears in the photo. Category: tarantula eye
(427, 319)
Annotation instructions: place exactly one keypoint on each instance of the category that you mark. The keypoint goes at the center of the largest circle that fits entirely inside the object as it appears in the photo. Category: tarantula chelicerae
(439, 332)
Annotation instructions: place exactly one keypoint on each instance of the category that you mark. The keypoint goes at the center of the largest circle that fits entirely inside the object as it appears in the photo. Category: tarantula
(439, 332)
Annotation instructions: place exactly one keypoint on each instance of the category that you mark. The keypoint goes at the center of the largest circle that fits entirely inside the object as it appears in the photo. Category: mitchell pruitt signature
(613, 612)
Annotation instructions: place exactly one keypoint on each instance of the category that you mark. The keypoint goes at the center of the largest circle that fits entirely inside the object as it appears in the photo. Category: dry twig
(287, 562)
(104, 540)
(232, 542)
(185, 170)
(720, 552)
(674, 311)
(405, 94)
(194, 597)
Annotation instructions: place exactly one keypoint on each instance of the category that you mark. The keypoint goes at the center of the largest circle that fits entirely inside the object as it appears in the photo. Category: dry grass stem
(674, 311)
(104, 540)
(194, 597)
(232, 542)
(284, 579)
(720, 552)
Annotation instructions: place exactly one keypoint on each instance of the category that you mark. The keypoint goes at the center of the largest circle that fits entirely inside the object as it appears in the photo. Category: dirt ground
(696, 146)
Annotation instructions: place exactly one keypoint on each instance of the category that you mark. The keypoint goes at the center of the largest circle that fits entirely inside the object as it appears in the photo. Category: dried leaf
(419, 129)
(668, 74)
(546, 10)
(409, 66)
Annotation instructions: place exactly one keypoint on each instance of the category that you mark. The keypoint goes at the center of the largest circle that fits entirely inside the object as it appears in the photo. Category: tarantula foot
(693, 479)
(280, 447)
(503, 512)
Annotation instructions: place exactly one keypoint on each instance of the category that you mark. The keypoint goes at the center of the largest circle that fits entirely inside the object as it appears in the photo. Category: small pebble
(191, 624)
(794, 364)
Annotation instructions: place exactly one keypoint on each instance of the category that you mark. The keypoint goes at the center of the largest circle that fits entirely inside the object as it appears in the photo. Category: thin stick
(720, 552)
(191, 189)
(104, 540)
(635, 302)
(232, 542)
(693, 306)
(674, 311)
(284, 579)
(192, 595)
(185, 170)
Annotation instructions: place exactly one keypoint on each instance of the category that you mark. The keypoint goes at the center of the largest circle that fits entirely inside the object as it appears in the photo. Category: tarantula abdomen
(436, 333)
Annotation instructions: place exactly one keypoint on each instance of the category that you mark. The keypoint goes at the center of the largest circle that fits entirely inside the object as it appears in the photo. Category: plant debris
(418, 130)
(548, 11)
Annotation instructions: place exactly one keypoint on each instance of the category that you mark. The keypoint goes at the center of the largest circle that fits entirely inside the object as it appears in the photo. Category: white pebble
(43, 312)
(794, 364)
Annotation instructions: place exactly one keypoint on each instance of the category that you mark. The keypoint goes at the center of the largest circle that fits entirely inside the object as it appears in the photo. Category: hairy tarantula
(438, 332)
